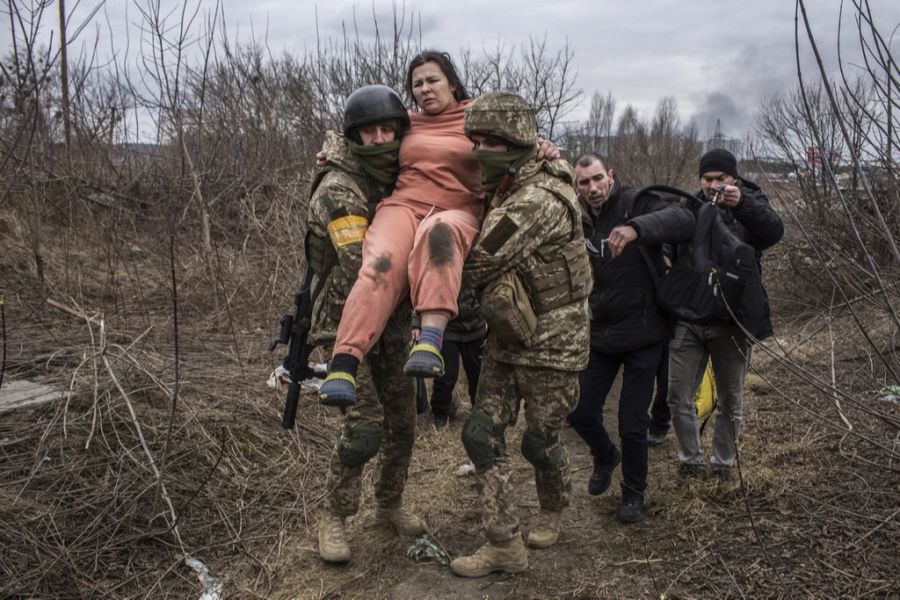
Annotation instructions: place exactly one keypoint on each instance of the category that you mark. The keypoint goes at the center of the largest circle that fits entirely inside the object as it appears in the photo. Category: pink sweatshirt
(436, 164)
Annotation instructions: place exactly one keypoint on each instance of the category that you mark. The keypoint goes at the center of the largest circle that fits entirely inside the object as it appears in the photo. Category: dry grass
(83, 514)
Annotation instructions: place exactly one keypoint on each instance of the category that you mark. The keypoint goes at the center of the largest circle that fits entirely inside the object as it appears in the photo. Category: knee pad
(543, 453)
(482, 441)
(358, 443)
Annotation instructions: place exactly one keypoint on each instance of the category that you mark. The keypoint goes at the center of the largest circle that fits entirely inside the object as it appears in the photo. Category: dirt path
(697, 540)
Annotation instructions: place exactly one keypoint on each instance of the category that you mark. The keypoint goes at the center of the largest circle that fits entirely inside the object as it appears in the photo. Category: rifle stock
(421, 397)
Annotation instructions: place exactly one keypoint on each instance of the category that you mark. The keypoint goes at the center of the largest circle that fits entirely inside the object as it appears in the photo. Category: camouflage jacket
(339, 211)
(524, 229)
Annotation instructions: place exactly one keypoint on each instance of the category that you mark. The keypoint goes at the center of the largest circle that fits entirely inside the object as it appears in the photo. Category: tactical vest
(556, 277)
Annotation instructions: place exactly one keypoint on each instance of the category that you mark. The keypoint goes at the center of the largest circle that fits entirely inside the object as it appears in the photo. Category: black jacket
(754, 222)
(624, 313)
(468, 325)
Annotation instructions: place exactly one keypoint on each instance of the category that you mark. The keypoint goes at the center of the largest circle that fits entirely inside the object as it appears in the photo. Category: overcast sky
(717, 58)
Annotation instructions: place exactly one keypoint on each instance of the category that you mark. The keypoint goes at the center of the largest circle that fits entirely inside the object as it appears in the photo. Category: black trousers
(453, 352)
(660, 415)
(596, 380)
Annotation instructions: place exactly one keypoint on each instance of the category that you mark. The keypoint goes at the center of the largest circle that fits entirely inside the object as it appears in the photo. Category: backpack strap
(654, 272)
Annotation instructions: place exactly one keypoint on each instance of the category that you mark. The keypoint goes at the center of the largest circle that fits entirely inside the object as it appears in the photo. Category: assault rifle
(294, 333)
(421, 397)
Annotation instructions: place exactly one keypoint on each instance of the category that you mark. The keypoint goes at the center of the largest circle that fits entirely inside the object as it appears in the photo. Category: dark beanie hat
(719, 160)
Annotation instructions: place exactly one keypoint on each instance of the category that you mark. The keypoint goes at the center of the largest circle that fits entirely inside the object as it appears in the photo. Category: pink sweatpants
(407, 247)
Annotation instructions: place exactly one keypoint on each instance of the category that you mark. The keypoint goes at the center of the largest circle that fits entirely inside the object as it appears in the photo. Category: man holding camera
(746, 211)
(628, 330)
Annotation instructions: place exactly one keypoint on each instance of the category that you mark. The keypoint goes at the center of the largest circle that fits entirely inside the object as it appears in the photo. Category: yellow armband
(347, 230)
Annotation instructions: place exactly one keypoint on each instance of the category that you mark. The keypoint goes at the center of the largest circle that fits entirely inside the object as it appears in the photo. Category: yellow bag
(705, 400)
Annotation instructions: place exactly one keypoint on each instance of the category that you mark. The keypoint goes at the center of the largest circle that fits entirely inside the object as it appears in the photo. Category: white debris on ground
(465, 469)
(282, 377)
(212, 587)
(18, 394)
(890, 393)
(427, 548)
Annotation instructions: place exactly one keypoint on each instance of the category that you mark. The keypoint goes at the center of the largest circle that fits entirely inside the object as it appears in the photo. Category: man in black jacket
(463, 342)
(627, 327)
(745, 210)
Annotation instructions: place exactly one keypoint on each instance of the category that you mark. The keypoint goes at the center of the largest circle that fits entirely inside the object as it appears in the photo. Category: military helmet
(504, 115)
(370, 104)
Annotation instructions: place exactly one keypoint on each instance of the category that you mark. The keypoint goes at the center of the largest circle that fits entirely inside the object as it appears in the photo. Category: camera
(717, 193)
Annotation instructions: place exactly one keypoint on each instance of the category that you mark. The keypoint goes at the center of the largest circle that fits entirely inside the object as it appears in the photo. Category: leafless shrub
(839, 139)
(546, 79)
(662, 151)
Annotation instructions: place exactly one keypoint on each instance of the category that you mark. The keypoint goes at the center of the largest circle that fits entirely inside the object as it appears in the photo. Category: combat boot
(333, 545)
(509, 556)
(631, 510)
(546, 532)
(405, 522)
(602, 476)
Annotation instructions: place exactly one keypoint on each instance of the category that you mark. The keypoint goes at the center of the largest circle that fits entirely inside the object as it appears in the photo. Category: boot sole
(334, 558)
(629, 520)
(540, 545)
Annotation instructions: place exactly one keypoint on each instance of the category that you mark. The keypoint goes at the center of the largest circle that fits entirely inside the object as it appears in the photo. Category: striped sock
(433, 336)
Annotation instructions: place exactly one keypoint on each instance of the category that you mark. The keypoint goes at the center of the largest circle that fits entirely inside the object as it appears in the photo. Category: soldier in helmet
(530, 265)
(361, 168)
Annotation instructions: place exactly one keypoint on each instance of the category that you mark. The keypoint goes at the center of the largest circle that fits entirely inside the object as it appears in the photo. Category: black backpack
(711, 273)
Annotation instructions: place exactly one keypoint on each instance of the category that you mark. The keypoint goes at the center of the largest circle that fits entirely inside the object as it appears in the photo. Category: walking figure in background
(628, 329)
(463, 343)
(746, 212)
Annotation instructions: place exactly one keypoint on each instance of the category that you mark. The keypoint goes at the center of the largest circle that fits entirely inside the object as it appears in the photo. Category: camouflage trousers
(385, 396)
(549, 395)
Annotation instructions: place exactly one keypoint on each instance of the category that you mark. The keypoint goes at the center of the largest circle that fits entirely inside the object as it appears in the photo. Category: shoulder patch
(350, 229)
(499, 235)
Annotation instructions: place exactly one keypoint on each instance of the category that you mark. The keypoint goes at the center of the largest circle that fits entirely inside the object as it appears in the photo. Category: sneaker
(546, 532)
(722, 473)
(333, 545)
(602, 475)
(631, 510)
(690, 470)
(440, 421)
(509, 556)
(656, 439)
(338, 389)
(424, 360)
(405, 522)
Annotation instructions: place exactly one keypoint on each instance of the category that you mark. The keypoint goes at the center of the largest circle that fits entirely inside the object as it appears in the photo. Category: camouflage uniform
(338, 216)
(533, 228)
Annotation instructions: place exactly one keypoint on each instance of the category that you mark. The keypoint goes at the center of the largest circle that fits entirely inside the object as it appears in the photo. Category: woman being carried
(420, 235)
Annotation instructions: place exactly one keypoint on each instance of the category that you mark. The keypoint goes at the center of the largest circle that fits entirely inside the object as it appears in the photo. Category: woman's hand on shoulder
(547, 150)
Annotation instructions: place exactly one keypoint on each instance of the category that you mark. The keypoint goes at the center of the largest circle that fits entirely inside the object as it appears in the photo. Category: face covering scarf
(378, 161)
(496, 165)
